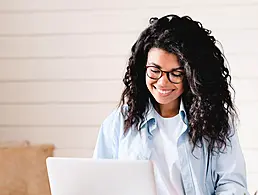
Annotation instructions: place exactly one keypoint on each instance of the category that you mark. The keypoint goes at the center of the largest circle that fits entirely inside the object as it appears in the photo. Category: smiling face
(164, 91)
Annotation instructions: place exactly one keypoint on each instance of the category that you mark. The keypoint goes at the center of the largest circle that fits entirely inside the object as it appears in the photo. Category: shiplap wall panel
(247, 139)
(78, 22)
(83, 137)
(97, 68)
(241, 86)
(61, 64)
(63, 91)
(56, 69)
(243, 65)
(38, 5)
(106, 44)
(46, 114)
(251, 157)
(66, 46)
(33, 114)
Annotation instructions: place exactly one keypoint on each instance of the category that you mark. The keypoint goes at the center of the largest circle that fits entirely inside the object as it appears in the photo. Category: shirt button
(150, 137)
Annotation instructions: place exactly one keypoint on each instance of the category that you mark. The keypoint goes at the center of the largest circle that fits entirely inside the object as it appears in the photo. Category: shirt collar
(150, 116)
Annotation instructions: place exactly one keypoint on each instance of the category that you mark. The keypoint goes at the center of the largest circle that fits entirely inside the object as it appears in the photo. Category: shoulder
(116, 116)
(114, 123)
(109, 133)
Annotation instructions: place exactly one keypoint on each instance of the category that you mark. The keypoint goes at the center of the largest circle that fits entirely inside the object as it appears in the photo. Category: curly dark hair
(207, 97)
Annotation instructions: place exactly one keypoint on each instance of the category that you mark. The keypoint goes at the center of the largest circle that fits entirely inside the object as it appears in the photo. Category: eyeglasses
(174, 76)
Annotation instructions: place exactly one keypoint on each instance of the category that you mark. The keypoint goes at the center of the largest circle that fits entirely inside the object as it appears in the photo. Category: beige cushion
(23, 170)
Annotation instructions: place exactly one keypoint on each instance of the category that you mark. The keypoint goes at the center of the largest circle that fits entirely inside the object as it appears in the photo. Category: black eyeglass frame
(167, 73)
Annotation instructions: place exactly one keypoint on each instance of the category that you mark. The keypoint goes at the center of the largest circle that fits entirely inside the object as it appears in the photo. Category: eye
(177, 74)
(154, 70)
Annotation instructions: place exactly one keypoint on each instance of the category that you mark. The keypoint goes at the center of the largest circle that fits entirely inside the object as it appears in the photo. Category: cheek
(180, 89)
(149, 82)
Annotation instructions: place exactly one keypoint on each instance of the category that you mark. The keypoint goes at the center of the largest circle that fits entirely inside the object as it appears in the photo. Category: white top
(165, 156)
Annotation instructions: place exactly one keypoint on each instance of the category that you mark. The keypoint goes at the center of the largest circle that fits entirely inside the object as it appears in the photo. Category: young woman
(177, 110)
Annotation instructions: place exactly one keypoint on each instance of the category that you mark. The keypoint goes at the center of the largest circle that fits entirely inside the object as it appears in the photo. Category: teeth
(164, 91)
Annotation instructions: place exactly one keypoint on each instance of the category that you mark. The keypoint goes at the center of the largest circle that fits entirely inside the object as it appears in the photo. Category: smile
(165, 92)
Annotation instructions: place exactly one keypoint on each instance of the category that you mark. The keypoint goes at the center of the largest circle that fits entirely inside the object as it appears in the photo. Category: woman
(177, 110)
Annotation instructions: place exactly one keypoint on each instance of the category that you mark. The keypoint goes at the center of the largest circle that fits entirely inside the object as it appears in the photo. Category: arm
(231, 170)
(107, 141)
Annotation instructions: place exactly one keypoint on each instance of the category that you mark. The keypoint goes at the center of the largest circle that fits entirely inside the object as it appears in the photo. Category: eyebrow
(173, 69)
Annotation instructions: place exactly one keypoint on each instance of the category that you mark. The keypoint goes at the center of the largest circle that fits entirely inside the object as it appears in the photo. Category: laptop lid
(85, 176)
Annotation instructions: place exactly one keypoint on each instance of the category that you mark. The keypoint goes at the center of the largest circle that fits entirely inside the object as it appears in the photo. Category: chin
(164, 101)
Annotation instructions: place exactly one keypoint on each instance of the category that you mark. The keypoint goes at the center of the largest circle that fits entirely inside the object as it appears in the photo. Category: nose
(163, 80)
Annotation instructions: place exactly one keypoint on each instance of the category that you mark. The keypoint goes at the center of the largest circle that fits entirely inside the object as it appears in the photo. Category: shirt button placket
(185, 170)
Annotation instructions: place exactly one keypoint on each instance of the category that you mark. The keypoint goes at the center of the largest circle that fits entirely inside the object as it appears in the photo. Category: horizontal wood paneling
(54, 69)
(55, 114)
(61, 92)
(62, 137)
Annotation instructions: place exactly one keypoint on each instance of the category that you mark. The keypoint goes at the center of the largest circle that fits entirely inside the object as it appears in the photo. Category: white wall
(61, 64)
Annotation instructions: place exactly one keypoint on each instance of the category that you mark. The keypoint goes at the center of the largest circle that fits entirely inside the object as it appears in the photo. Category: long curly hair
(207, 98)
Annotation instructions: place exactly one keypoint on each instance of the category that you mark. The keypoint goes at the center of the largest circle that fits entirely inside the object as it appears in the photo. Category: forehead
(165, 60)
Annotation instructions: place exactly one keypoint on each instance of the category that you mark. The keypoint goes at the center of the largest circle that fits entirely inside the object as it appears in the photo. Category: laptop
(86, 176)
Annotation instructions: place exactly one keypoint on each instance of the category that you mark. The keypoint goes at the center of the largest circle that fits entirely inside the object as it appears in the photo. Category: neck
(169, 110)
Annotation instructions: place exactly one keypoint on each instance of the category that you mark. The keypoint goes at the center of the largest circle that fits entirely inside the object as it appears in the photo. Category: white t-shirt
(165, 156)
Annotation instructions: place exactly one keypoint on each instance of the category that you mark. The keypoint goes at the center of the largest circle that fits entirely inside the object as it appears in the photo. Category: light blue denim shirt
(202, 173)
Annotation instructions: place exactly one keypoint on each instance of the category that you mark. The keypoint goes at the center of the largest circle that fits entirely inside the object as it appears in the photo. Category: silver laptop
(85, 176)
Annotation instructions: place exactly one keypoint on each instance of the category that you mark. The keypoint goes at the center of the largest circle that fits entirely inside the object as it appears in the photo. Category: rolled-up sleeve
(231, 170)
